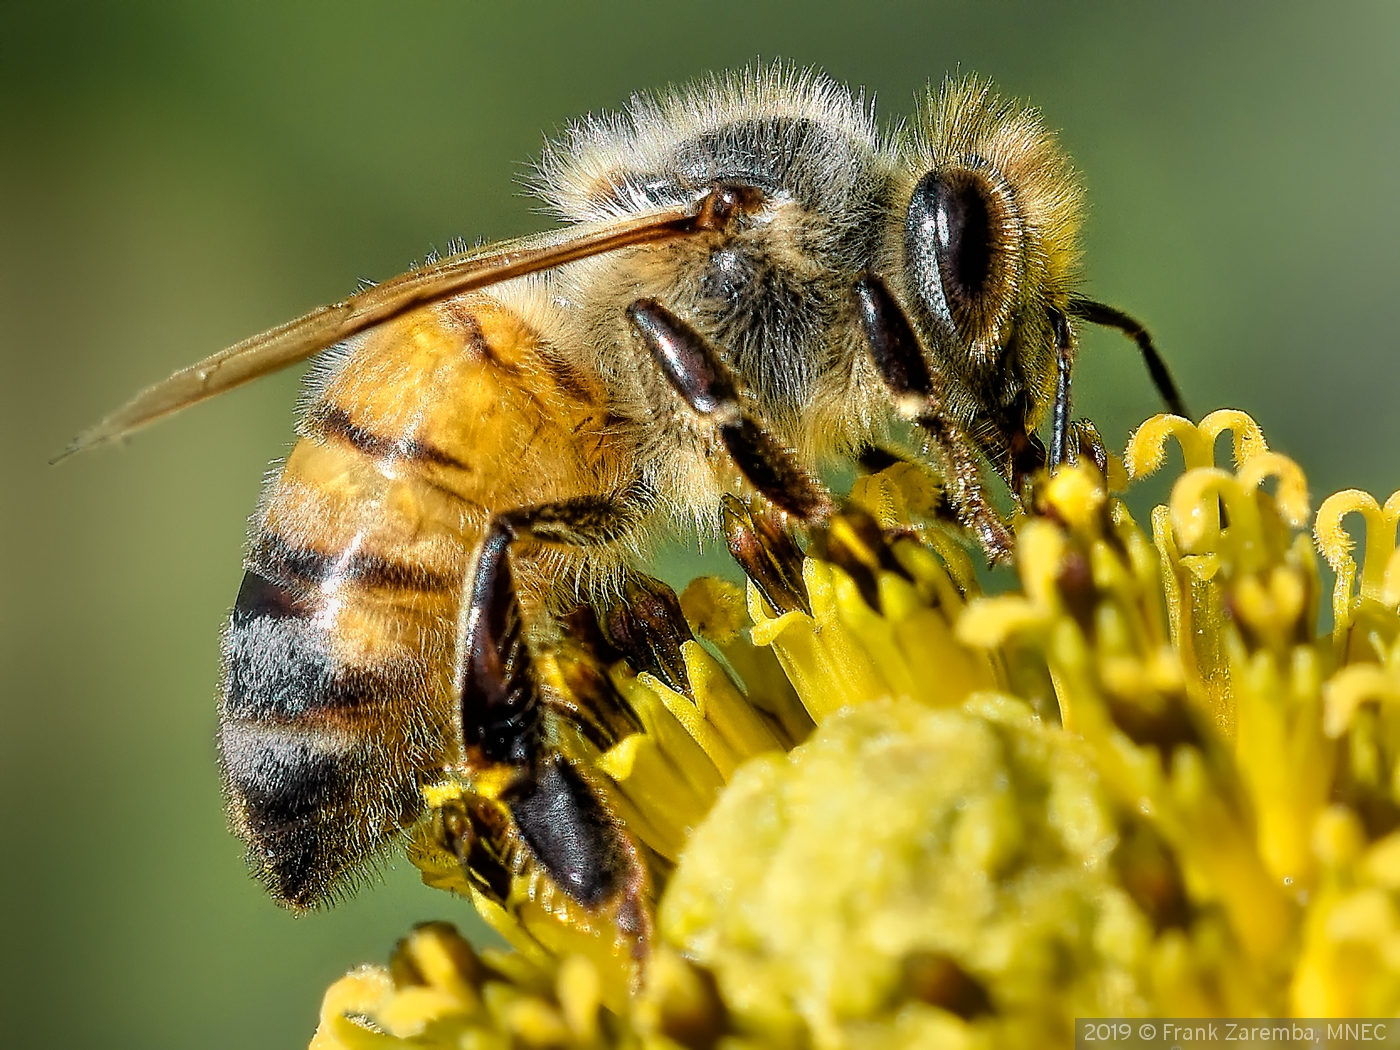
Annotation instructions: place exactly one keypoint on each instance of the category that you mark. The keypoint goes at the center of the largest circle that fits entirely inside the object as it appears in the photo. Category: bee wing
(327, 325)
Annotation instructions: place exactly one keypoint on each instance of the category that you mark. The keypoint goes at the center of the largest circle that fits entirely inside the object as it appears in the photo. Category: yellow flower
(879, 808)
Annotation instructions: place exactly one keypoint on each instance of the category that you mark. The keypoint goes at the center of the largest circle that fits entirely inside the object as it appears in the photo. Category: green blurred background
(174, 176)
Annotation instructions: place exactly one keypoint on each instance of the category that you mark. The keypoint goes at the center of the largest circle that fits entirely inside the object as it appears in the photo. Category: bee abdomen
(332, 422)
(282, 668)
(282, 787)
(318, 777)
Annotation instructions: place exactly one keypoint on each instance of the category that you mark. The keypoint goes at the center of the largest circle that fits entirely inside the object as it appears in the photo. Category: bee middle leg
(558, 813)
(699, 375)
(900, 359)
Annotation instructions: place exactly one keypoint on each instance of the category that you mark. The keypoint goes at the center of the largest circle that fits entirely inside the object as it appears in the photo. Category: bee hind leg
(900, 360)
(559, 814)
(699, 375)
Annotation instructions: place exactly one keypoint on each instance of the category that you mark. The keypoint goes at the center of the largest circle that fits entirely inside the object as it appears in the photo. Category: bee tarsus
(646, 626)
(767, 555)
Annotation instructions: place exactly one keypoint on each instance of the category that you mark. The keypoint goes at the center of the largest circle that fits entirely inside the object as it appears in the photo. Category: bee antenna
(1109, 317)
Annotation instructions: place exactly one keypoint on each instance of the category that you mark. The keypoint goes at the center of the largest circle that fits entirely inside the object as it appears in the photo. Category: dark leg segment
(500, 700)
(648, 628)
(767, 554)
(697, 372)
(900, 359)
(568, 831)
(1100, 314)
(559, 816)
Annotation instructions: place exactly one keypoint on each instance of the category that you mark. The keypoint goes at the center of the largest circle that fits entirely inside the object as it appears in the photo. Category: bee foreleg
(1069, 438)
(697, 372)
(955, 458)
(900, 360)
(559, 815)
(1015, 453)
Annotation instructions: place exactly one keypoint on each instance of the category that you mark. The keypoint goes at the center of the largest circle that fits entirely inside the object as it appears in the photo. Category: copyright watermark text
(1183, 1033)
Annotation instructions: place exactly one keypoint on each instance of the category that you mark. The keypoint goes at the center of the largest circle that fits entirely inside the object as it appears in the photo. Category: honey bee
(751, 281)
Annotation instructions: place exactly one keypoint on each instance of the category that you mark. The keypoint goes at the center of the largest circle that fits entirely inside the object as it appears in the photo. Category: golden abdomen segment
(340, 653)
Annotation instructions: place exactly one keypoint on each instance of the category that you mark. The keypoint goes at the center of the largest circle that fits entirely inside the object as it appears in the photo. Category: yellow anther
(714, 608)
(1335, 544)
(988, 622)
(1195, 512)
(898, 495)
(1351, 687)
(1039, 548)
(1292, 493)
(1077, 494)
(1147, 449)
(1271, 603)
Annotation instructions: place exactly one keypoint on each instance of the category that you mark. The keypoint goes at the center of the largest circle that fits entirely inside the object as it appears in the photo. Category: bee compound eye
(951, 240)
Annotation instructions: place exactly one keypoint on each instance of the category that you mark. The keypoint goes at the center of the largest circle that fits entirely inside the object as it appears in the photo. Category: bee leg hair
(900, 360)
(1085, 437)
(697, 372)
(477, 833)
(1014, 452)
(558, 813)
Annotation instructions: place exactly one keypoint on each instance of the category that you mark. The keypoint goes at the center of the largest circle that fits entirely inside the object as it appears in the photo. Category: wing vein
(296, 340)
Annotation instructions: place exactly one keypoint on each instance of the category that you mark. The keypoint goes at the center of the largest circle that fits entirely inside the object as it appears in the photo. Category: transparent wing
(327, 325)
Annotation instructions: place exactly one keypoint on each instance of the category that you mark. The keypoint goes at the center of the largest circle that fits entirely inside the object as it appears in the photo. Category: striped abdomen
(340, 653)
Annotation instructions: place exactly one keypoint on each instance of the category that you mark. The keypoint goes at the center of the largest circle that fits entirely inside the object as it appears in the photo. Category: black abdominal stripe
(293, 753)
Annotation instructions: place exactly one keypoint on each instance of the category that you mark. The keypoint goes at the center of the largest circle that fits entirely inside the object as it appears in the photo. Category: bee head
(990, 238)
